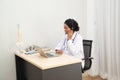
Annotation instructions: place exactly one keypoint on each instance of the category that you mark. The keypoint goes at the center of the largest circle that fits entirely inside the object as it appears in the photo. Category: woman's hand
(70, 34)
(58, 51)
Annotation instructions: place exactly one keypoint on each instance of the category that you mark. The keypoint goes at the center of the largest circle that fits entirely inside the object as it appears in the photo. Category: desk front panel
(27, 71)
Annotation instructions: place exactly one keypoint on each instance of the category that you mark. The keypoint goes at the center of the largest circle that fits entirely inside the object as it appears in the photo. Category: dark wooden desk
(36, 67)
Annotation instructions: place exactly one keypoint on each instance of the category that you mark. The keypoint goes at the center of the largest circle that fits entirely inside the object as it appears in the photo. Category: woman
(72, 42)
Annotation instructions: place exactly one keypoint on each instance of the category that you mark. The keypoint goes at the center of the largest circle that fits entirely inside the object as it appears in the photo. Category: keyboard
(49, 55)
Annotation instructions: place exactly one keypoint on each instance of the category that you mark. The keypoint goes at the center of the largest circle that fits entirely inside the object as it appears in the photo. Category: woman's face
(67, 29)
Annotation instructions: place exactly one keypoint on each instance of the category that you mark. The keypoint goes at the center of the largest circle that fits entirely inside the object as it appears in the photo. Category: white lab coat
(73, 47)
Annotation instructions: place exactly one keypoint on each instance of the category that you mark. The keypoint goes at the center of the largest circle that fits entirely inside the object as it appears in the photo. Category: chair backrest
(87, 46)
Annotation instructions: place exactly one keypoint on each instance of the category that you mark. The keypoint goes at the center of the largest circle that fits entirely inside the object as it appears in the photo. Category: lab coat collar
(74, 35)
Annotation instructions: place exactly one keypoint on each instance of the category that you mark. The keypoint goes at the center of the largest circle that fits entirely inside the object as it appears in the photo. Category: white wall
(91, 34)
(41, 22)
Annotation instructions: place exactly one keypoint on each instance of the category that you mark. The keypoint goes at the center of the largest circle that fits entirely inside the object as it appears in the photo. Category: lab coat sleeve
(60, 44)
(77, 48)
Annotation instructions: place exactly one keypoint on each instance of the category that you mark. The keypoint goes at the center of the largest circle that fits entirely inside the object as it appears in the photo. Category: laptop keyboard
(49, 55)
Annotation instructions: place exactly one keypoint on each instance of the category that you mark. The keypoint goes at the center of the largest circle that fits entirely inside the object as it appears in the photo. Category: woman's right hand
(58, 51)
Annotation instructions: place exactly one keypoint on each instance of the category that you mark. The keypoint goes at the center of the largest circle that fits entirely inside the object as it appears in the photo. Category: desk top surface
(47, 63)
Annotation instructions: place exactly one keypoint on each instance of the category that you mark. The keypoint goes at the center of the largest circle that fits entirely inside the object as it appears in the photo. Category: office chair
(87, 47)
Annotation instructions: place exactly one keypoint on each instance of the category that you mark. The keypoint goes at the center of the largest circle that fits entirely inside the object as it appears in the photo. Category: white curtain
(108, 38)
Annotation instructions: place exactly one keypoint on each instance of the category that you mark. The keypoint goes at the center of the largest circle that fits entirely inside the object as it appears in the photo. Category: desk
(36, 67)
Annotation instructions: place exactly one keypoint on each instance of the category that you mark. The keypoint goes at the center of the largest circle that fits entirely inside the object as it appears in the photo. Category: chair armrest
(87, 58)
(91, 58)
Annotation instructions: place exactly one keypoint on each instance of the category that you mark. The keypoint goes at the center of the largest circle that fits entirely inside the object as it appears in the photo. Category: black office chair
(87, 47)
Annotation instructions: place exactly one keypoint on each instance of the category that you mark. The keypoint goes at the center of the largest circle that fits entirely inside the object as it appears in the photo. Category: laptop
(46, 53)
